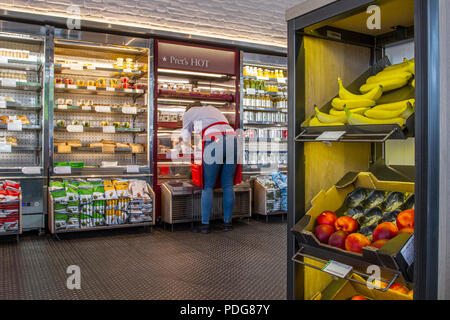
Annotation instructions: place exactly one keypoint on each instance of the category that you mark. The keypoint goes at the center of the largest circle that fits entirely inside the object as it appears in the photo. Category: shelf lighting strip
(192, 73)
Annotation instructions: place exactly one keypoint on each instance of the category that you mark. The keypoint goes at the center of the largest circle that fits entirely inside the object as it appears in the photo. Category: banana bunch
(358, 119)
(391, 78)
(402, 109)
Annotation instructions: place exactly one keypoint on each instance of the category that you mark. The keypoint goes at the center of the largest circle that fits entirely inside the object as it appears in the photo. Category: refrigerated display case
(185, 73)
(330, 161)
(100, 120)
(264, 113)
(22, 72)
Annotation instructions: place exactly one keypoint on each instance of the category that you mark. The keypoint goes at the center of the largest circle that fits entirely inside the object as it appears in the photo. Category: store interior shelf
(164, 156)
(170, 125)
(25, 148)
(265, 123)
(76, 109)
(264, 109)
(20, 64)
(97, 150)
(24, 127)
(265, 140)
(99, 91)
(195, 96)
(20, 85)
(108, 72)
(106, 227)
(17, 106)
(100, 129)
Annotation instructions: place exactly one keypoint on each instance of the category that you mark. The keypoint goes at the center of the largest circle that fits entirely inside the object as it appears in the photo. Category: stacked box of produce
(79, 203)
(273, 194)
(387, 98)
(365, 219)
(9, 206)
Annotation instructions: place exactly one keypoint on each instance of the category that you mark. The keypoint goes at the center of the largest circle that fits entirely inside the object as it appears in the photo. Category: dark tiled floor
(247, 263)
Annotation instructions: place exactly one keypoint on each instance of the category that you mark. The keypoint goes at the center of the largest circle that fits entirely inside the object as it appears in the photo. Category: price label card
(76, 67)
(251, 91)
(5, 148)
(14, 126)
(86, 108)
(128, 90)
(2, 103)
(139, 90)
(103, 109)
(127, 70)
(109, 129)
(132, 169)
(330, 136)
(129, 110)
(262, 78)
(110, 89)
(72, 86)
(74, 128)
(281, 80)
(31, 170)
(91, 87)
(89, 67)
(62, 170)
(60, 85)
(62, 106)
(9, 83)
(337, 269)
(3, 60)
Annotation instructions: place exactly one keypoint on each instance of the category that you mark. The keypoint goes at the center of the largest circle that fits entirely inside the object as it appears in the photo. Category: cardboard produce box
(345, 290)
(396, 254)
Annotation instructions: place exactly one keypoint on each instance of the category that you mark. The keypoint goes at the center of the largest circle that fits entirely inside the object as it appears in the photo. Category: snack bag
(60, 221)
(72, 192)
(85, 191)
(110, 191)
(121, 187)
(98, 192)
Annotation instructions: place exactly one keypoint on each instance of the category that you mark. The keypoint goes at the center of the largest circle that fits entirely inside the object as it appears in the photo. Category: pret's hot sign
(194, 58)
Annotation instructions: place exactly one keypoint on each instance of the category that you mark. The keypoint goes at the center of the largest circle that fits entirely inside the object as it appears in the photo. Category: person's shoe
(203, 229)
(227, 226)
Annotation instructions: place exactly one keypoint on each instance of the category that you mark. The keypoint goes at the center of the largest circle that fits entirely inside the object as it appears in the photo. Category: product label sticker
(91, 87)
(76, 67)
(132, 169)
(337, 269)
(330, 136)
(86, 108)
(110, 89)
(14, 126)
(31, 170)
(62, 106)
(72, 86)
(74, 128)
(9, 83)
(129, 110)
(3, 60)
(5, 148)
(2, 103)
(106, 109)
(109, 129)
(62, 170)
(60, 85)
(281, 80)
(251, 91)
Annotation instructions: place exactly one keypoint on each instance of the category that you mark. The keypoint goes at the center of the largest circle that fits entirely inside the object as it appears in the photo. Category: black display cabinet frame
(426, 37)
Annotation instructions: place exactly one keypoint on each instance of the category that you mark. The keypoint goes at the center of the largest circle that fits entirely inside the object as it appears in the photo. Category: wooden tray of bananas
(384, 109)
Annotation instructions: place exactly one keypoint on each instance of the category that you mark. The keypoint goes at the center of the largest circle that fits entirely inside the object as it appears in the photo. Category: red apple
(355, 242)
(358, 298)
(327, 217)
(323, 232)
(379, 243)
(348, 224)
(337, 239)
(398, 287)
(406, 230)
(385, 230)
(405, 219)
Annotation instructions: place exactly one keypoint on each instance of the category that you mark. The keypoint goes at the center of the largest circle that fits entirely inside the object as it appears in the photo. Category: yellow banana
(336, 112)
(388, 85)
(384, 114)
(373, 94)
(413, 83)
(376, 79)
(314, 122)
(396, 66)
(357, 119)
(339, 104)
(327, 118)
(408, 112)
(407, 66)
(394, 106)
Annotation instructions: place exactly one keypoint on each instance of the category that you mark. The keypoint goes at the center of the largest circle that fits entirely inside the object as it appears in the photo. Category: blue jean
(223, 165)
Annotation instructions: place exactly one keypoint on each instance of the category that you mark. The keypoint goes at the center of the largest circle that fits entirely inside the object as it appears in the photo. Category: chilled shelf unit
(186, 73)
(100, 130)
(264, 113)
(22, 72)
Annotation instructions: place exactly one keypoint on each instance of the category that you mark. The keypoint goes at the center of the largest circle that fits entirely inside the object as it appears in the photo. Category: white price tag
(129, 110)
(132, 169)
(139, 90)
(281, 80)
(9, 83)
(74, 128)
(2, 103)
(91, 87)
(128, 90)
(106, 109)
(62, 106)
(60, 85)
(76, 67)
(62, 170)
(5, 148)
(14, 126)
(3, 60)
(109, 129)
(251, 91)
(86, 108)
(91, 67)
(337, 269)
(330, 136)
(72, 86)
(262, 78)
(31, 170)
(110, 89)
(127, 70)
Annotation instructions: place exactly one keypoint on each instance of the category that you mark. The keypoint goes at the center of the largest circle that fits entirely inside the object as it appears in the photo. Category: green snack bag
(98, 192)
(60, 221)
(59, 195)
